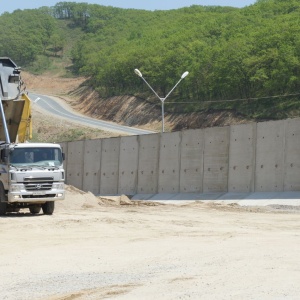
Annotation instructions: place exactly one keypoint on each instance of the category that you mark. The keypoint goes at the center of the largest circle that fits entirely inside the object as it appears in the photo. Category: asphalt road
(49, 104)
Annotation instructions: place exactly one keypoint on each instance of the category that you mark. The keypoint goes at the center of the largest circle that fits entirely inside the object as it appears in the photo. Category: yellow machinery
(18, 120)
(25, 128)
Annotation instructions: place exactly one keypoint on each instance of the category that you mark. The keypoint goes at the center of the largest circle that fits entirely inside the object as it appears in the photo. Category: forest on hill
(246, 60)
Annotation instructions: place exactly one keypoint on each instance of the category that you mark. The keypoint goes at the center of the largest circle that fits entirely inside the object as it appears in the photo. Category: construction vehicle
(31, 174)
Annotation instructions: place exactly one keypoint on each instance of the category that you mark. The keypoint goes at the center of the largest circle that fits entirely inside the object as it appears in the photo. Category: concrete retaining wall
(292, 150)
(270, 146)
(128, 165)
(92, 166)
(242, 158)
(216, 158)
(75, 166)
(148, 163)
(255, 157)
(191, 161)
(109, 174)
(169, 163)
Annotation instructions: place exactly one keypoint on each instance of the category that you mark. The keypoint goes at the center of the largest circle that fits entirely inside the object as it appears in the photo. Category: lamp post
(137, 72)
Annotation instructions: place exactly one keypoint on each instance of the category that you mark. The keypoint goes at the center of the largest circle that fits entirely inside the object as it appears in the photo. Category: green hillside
(245, 60)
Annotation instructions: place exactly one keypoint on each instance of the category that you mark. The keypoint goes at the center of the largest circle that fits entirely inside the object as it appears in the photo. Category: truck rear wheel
(3, 203)
(35, 209)
(48, 208)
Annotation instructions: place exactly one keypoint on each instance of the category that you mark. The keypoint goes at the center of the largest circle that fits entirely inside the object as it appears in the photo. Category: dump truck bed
(16, 105)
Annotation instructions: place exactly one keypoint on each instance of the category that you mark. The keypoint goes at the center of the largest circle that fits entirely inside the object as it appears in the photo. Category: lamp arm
(172, 89)
(151, 88)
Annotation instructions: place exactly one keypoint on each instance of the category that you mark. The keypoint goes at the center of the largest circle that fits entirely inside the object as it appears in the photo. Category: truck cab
(32, 176)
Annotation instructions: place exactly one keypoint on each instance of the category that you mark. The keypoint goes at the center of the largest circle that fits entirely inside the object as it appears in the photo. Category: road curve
(50, 105)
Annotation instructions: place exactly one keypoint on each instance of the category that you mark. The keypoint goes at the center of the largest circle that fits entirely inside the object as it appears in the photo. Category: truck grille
(38, 183)
(38, 196)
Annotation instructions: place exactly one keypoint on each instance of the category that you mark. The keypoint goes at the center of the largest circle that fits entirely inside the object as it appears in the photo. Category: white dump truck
(31, 174)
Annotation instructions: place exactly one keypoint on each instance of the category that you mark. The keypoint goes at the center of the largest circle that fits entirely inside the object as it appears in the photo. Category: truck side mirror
(4, 155)
(63, 156)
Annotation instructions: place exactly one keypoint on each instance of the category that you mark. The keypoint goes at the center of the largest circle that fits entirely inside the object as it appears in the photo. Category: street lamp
(137, 72)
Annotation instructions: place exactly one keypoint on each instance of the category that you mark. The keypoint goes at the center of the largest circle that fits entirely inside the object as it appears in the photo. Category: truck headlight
(15, 188)
(58, 186)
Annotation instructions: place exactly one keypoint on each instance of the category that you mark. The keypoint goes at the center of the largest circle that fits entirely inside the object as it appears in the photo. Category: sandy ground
(95, 248)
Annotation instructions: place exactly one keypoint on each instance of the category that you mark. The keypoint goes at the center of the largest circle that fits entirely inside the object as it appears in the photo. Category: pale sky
(11, 5)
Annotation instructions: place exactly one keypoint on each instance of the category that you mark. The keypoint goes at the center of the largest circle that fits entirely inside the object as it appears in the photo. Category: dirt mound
(116, 200)
(76, 199)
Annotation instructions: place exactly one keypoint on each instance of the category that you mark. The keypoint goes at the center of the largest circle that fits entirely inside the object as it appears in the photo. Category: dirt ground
(95, 248)
(114, 248)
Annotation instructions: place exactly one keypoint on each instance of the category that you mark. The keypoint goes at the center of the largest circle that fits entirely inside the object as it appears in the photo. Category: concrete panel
(148, 163)
(110, 166)
(269, 172)
(191, 167)
(91, 166)
(242, 158)
(216, 157)
(128, 165)
(75, 163)
(292, 155)
(169, 163)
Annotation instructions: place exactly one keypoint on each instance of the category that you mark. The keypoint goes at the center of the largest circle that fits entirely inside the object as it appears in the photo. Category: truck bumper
(36, 197)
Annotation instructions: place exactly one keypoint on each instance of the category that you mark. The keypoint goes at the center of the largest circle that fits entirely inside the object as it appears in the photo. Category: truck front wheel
(3, 204)
(3, 208)
(35, 209)
(48, 208)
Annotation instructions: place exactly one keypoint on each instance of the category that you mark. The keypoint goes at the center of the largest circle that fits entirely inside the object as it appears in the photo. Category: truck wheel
(3, 208)
(48, 208)
(35, 209)
(3, 204)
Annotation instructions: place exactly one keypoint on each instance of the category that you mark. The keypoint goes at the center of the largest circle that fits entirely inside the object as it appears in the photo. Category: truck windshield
(36, 156)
